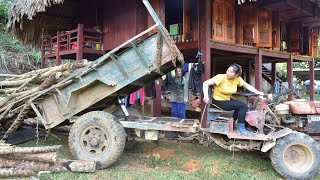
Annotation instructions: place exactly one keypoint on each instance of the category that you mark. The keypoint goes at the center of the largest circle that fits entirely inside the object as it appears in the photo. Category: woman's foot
(242, 129)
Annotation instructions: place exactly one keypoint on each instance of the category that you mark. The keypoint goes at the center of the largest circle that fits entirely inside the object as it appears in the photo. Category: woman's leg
(240, 110)
(182, 111)
(174, 109)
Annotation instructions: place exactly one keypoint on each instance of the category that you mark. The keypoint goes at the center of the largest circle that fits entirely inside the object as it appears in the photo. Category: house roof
(28, 17)
(304, 74)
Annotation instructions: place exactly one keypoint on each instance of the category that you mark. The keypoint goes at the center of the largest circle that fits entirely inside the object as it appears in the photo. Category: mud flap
(267, 145)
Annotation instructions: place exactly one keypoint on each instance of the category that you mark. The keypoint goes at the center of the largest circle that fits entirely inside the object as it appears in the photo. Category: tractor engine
(301, 115)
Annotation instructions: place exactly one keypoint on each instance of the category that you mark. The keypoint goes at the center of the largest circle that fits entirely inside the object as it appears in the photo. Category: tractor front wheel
(296, 156)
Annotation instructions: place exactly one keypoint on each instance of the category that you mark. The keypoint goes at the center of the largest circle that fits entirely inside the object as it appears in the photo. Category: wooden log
(6, 111)
(26, 83)
(17, 101)
(49, 81)
(50, 157)
(16, 172)
(18, 96)
(10, 75)
(25, 150)
(42, 74)
(74, 166)
(11, 90)
(35, 165)
(18, 121)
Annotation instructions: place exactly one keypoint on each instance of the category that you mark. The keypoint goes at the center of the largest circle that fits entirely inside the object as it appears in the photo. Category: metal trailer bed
(115, 75)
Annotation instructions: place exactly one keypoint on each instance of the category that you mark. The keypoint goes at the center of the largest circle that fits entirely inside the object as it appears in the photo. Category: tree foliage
(4, 4)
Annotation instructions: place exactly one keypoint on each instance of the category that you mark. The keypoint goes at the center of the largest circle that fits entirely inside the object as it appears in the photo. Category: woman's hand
(260, 93)
(206, 100)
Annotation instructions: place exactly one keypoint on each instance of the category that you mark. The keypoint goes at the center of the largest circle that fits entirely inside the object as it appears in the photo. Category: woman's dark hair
(237, 68)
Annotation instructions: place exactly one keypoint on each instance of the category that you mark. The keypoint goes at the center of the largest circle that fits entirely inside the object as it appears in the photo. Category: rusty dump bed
(112, 75)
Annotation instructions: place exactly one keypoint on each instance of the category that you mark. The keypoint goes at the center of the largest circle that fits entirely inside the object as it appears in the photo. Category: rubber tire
(116, 134)
(294, 138)
(131, 111)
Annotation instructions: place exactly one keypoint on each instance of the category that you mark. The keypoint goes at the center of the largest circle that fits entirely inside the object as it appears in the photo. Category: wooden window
(223, 21)
(219, 18)
(229, 20)
(294, 34)
(248, 34)
(264, 28)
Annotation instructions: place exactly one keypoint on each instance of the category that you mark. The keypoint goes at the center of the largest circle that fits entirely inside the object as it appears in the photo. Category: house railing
(73, 41)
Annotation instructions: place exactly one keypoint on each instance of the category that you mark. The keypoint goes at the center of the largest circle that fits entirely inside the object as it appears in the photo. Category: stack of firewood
(29, 161)
(16, 90)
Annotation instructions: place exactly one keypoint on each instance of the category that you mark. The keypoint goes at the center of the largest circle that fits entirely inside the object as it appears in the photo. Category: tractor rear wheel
(296, 156)
(97, 136)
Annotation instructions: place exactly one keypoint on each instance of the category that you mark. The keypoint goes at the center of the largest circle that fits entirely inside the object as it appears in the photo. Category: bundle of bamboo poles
(16, 90)
(29, 161)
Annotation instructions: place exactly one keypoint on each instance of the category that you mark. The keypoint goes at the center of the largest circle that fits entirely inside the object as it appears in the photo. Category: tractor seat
(216, 110)
(215, 113)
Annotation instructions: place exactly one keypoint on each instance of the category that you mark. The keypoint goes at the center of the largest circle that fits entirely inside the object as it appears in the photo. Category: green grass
(170, 160)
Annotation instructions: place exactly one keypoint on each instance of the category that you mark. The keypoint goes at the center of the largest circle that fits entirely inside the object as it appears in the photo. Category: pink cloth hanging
(133, 96)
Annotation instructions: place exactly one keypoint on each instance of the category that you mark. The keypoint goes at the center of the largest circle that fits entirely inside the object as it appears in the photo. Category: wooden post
(249, 65)
(258, 70)
(205, 34)
(58, 57)
(80, 42)
(312, 93)
(156, 108)
(159, 7)
(273, 73)
(42, 50)
(290, 75)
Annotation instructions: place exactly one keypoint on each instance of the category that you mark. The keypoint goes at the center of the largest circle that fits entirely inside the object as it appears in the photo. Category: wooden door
(264, 28)
(314, 43)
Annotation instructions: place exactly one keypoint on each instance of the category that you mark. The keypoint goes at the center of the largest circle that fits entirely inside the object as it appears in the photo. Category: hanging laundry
(150, 90)
(137, 95)
(195, 81)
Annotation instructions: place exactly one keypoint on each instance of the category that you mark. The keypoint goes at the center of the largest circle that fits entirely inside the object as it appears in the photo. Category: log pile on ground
(29, 161)
(16, 90)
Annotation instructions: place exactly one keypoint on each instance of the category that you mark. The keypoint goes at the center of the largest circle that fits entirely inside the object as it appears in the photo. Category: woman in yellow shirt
(224, 85)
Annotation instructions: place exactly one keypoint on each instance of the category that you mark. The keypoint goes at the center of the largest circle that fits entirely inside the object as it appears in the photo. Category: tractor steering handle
(247, 95)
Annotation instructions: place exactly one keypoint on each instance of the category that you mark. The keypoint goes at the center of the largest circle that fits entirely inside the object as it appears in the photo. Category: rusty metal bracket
(140, 54)
(119, 65)
(35, 109)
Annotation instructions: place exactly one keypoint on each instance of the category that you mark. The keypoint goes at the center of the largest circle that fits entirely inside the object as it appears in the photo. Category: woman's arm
(252, 89)
(205, 88)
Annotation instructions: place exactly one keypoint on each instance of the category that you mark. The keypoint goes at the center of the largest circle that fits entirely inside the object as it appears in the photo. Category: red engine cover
(304, 107)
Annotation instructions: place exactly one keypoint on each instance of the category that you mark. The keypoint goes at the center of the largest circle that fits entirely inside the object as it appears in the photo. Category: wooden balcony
(75, 44)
